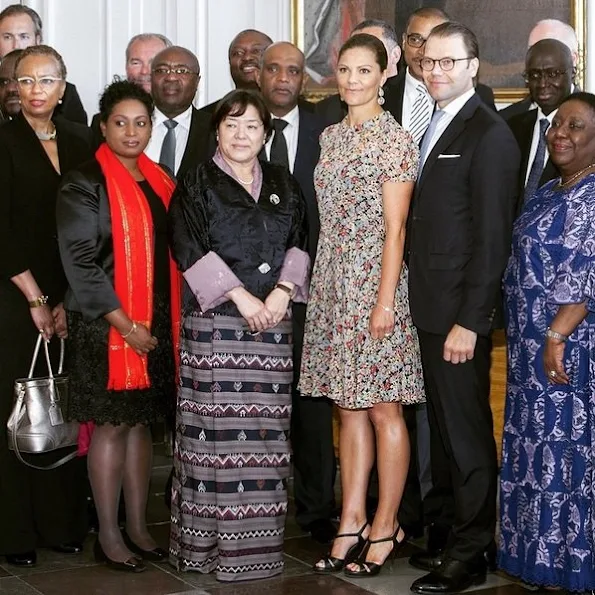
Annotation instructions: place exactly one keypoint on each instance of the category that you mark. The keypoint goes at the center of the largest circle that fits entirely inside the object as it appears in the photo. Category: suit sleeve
(493, 188)
(77, 214)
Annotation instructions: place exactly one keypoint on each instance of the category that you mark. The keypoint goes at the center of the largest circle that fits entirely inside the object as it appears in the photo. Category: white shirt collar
(541, 115)
(411, 81)
(292, 117)
(182, 119)
(455, 106)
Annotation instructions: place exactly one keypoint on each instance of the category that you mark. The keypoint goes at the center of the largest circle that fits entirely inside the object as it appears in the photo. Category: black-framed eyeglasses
(415, 40)
(178, 71)
(549, 74)
(446, 64)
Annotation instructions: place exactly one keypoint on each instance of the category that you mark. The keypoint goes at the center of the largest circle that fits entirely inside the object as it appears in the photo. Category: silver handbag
(36, 424)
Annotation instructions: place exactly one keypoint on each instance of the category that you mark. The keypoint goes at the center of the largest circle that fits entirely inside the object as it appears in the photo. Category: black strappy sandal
(332, 564)
(367, 569)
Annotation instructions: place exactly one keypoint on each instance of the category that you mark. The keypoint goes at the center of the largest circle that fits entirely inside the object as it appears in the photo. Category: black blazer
(28, 202)
(333, 110)
(71, 107)
(522, 126)
(516, 109)
(461, 222)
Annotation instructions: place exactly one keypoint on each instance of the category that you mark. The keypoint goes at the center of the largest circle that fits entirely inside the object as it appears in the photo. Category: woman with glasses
(36, 150)
(238, 234)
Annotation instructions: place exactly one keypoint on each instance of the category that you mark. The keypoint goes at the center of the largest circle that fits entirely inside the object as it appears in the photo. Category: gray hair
(388, 31)
(147, 37)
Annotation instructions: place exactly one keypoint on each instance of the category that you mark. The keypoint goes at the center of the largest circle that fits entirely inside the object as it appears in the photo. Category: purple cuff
(210, 279)
(295, 270)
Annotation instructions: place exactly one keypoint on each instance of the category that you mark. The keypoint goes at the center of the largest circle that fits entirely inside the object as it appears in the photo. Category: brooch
(274, 199)
(264, 268)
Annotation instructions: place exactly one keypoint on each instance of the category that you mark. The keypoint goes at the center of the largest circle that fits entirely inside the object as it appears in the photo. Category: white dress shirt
(182, 131)
(290, 133)
(535, 142)
(450, 111)
(409, 97)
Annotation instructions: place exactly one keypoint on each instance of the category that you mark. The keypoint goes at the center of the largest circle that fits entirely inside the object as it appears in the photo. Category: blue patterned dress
(547, 478)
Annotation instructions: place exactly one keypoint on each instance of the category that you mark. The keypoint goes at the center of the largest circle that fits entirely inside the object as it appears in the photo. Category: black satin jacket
(210, 211)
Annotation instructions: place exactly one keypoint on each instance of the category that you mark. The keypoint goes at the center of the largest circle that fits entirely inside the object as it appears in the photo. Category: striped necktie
(537, 166)
(420, 114)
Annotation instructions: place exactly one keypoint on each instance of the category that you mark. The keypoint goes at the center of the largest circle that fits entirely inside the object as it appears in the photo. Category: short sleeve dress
(341, 360)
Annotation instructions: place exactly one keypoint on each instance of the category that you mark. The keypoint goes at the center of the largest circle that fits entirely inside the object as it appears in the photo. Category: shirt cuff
(210, 279)
(295, 270)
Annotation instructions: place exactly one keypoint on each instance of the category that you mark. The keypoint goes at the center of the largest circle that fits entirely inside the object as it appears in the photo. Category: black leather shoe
(26, 559)
(426, 560)
(452, 576)
(131, 565)
(322, 530)
(156, 555)
(71, 547)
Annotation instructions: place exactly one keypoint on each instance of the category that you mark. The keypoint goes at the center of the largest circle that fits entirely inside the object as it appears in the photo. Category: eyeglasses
(45, 82)
(415, 40)
(166, 71)
(549, 74)
(446, 64)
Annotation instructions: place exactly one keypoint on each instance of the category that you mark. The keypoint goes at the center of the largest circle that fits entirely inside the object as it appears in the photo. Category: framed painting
(319, 27)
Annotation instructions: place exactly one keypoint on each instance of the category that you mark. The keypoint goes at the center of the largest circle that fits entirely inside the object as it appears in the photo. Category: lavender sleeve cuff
(295, 270)
(210, 279)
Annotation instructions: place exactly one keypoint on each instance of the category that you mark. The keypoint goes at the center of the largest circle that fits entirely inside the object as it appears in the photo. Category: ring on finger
(553, 373)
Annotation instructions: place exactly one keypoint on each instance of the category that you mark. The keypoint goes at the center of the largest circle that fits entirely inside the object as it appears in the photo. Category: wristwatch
(289, 292)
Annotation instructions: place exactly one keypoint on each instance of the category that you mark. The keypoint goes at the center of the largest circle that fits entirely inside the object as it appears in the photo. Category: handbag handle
(47, 357)
(55, 465)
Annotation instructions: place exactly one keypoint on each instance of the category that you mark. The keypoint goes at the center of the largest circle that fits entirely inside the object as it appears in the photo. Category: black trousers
(463, 451)
(314, 464)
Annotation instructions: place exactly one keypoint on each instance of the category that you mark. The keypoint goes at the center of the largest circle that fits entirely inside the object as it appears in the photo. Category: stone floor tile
(15, 586)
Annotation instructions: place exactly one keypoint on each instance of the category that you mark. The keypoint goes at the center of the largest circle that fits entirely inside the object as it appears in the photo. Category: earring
(380, 96)
(59, 101)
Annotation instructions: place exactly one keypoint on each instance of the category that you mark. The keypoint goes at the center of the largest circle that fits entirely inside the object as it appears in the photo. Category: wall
(95, 51)
(92, 35)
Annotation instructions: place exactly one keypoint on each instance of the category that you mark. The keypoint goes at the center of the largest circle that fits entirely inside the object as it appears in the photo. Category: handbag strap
(47, 357)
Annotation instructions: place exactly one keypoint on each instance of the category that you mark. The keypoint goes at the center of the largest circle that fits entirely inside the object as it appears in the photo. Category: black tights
(121, 457)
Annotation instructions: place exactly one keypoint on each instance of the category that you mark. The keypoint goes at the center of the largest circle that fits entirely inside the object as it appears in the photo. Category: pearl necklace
(574, 177)
(245, 182)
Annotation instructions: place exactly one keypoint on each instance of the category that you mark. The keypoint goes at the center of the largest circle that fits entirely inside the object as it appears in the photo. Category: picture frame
(319, 27)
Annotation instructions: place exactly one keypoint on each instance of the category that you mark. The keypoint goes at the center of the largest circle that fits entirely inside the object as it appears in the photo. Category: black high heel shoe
(367, 569)
(156, 555)
(332, 564)
(131, 565)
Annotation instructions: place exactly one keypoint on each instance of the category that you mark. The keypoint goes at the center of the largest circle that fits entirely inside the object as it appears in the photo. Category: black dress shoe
(321, 530)
(451, 576)
(131, 565)
(426, 560)
(70, 547)
(156, 555)
(26, 559)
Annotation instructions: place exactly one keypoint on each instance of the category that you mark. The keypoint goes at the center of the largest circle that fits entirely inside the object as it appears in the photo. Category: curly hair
(121, 90)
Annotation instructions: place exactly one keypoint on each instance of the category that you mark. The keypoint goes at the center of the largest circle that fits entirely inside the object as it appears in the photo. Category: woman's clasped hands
(260, 315)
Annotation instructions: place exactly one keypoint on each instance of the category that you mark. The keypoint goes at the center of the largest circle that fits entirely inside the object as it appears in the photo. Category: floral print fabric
(340, 359)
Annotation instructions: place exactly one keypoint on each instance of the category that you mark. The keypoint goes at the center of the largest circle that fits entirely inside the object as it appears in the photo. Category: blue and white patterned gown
(547, 477)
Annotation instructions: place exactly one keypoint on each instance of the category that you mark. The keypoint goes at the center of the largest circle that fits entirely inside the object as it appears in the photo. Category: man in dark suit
(294, 143)
(546, 29)
(181, 137)
(459, 242)
(21, 27)
(245, 52)
(549, 74)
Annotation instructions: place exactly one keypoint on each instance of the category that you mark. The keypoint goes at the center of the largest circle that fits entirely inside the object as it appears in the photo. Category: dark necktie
(538, 163)
(279, 145)
(168, 148)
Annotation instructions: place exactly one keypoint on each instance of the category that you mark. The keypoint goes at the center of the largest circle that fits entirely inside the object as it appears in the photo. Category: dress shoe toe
(26, 559)
(322, 531)
(70, 547)
(426, 560)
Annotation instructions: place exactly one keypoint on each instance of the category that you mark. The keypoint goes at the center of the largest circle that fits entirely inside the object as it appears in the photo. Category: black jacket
(71, 107)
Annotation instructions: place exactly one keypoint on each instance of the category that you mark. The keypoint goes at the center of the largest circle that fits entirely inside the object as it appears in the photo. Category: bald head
(245, 52)
(281, 77)
(555, 29)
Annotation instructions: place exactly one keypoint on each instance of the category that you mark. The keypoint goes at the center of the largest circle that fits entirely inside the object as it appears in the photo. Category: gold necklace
(574, 177)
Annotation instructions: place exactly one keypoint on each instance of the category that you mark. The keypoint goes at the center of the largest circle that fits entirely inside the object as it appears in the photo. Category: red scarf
(132, 232)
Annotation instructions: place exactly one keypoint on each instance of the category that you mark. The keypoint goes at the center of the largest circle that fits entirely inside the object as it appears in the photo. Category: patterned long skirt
(232, 452)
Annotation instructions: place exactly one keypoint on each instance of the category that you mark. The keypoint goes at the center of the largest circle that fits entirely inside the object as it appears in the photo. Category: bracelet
(132, 330)
(555, 335)
(42, 300)
(289, 292)
(385, 308)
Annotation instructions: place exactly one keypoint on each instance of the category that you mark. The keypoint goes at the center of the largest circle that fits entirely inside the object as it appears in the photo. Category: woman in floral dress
(360, 346)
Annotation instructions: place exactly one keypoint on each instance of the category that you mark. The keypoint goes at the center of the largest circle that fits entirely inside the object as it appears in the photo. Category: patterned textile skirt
(232, 452)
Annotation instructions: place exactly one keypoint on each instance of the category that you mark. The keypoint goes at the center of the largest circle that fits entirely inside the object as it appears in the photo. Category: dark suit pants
(314, 464)
(463, 451)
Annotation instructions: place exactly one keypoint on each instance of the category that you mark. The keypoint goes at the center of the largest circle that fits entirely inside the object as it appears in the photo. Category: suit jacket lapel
(190, 150)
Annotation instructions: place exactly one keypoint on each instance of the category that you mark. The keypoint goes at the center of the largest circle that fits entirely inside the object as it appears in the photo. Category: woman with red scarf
(123, 308)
